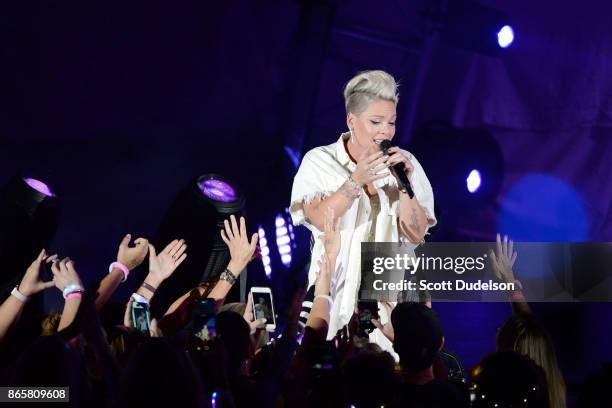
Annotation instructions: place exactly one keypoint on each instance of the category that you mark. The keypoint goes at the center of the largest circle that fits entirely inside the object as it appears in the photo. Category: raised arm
(31, 284)
(128, 257)
(503, 260)
(321, 305)
(68, 281)
(162, 266)
(241, 253)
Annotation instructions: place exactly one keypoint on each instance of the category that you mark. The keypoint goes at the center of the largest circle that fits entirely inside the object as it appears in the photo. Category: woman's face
(375, 124)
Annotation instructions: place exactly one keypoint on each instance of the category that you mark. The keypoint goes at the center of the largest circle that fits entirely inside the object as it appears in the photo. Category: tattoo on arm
(348, 190)
(414, 221)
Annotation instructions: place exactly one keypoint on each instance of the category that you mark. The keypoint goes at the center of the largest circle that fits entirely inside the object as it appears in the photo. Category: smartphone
(141, 317)
(203, 320)
(263, 306)
(368, 310)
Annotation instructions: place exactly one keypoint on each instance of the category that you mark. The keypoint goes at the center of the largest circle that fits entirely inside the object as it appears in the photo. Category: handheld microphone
(398, 170)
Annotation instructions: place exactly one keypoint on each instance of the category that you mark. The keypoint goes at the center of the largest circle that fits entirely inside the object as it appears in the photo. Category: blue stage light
(473, 181)
(505, 36)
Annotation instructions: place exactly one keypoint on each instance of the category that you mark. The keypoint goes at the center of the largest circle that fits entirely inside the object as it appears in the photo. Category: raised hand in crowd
(31, 284)
(67, 280)
(241, 253)
(237, 240)
(331, 233)
(162, 266)
(128, 258)
(133, 256)
(503, 259)
(387, 328)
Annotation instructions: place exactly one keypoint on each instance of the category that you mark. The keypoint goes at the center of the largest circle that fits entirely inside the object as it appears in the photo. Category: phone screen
(141, 318)
(262, 307)
(368, 310)
(203, 319)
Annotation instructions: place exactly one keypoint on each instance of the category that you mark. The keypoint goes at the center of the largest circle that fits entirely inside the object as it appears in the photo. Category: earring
(351, 131)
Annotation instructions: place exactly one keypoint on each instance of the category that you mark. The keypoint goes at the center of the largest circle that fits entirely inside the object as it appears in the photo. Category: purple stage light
(505, 36)
(39, 186)
(283, 240)
(473, 181)
(265, 251)
(217, 190)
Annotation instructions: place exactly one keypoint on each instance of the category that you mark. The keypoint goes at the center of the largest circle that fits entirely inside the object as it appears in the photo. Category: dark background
(119, 104)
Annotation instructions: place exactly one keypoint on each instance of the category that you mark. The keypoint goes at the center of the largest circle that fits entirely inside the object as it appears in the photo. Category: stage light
(540, 207)
(29, 217)
(283, 240)
(505, 36)
(197, 215)
(217, 190)
(39, 186)
(473, 26)
(265, 251)
(473, 181)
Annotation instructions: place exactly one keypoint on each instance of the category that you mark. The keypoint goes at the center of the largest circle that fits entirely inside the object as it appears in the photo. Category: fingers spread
(243, 232)
(228, 230)
(224, 237)
(169, 247)
(235, 229)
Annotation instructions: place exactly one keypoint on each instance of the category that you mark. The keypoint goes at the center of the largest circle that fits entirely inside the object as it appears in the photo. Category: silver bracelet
(355, 186)
(228, 276)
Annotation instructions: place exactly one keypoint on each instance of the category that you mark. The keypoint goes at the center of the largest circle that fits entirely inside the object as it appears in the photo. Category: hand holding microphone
(399, 165)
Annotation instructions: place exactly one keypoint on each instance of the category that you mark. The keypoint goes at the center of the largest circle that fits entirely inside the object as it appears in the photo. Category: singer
(353, 177)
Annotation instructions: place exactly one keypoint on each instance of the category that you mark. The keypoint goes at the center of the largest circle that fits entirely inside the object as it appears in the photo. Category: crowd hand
(163, 265)
(64, 274)
(397, 156)
(369, 165)
(331, 233)
(31, 283)
(127, 316)
(323, 281)
(154, 330)
(387, 328)
(259, 324)
(293, 315)
(241, 250)
(344, 337)
(132, 256)
(503, 259)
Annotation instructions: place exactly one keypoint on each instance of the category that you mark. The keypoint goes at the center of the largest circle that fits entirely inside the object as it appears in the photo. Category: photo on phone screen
(368, 310)
(141, 318)
(204, 322)
(263, 306)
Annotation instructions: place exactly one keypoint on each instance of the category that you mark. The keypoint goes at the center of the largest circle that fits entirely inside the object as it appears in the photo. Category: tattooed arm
(412, 219)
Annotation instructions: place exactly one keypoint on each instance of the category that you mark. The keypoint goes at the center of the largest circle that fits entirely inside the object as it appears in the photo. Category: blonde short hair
(369, 86)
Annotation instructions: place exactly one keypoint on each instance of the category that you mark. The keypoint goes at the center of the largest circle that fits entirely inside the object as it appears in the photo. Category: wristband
(228, 276)
(139, 298)
(518, 284)
(15, 292)
(73, 287)
(327, 297)
(74, 295)
(121, 266)
(148, 287)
